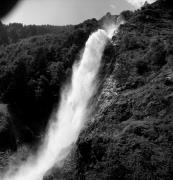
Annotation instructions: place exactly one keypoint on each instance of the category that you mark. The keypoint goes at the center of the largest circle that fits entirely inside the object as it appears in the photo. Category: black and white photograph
(86, 90)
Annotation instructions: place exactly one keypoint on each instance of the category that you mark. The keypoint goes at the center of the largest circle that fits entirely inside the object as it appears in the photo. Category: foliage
(3, 35)
(18, 31)
(33, 71)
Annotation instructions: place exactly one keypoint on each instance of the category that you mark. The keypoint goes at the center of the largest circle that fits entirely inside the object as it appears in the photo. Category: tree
(3, 35)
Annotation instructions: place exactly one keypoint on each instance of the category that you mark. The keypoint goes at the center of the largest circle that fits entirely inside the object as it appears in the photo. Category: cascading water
(71, 115)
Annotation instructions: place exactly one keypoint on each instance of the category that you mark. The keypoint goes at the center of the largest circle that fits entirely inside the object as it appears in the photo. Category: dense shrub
(126, 15)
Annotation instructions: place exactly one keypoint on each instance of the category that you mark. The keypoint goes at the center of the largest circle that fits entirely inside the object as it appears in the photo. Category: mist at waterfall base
(72, 113)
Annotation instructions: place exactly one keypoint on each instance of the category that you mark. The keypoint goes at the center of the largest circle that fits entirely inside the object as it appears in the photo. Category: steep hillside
(132, 133)
(130, 136)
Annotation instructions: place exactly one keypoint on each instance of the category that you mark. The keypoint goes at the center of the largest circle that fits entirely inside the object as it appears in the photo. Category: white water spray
(71, 115)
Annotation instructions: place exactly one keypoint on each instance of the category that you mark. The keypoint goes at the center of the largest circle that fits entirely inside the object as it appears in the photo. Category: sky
(139, 3)
(63, 12)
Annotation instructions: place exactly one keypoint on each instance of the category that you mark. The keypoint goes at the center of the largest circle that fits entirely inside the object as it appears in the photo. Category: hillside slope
(132, 133)
(130, 136)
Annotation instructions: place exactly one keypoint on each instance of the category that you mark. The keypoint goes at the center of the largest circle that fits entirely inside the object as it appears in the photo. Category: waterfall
(72, 113)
